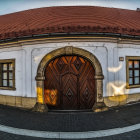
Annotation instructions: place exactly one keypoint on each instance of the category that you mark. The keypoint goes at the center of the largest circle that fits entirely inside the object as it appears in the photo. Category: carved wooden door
(69, 83)
(69, 92)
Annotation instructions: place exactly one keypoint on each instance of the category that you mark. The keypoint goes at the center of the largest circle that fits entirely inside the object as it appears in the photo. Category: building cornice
(54, 38)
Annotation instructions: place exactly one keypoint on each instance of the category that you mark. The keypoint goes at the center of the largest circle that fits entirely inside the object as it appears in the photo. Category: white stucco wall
(28, 58)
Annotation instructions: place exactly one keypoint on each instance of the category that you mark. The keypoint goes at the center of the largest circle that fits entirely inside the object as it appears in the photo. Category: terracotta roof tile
(70, 19)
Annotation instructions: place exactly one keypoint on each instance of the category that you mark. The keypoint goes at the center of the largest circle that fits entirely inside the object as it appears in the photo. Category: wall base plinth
(40, 107)
(99, 106)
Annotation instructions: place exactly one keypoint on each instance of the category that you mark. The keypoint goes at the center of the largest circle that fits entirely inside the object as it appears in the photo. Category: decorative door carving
(69, 83)
(69, 91)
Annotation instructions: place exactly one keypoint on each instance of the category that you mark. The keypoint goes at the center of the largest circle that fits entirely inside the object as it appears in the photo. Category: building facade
(80, 59)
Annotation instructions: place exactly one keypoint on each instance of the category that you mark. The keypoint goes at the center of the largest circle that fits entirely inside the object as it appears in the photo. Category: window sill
(132, 86)
(7, 88)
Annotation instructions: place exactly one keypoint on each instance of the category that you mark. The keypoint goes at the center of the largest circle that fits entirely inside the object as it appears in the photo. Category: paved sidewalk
(71, 121)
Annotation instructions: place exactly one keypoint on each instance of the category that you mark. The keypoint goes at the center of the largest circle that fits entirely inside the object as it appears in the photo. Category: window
(7, 74)
(133, 72)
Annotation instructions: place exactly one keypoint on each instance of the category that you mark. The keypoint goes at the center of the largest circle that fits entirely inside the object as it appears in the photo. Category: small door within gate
(69, 83)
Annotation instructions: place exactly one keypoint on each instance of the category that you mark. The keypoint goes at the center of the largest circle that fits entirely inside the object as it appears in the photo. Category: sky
(10, 6)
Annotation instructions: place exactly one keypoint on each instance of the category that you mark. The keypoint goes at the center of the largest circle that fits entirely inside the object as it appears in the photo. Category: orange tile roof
(70, 19)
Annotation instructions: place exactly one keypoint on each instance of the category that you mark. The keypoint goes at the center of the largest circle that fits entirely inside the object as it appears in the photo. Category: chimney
(138, 9)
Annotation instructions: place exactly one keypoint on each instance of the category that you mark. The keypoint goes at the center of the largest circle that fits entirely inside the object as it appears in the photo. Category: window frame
(4, 61)
(129, 58)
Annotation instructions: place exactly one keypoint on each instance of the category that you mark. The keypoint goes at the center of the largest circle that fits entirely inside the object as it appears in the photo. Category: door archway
(69, 83)
(71, 51)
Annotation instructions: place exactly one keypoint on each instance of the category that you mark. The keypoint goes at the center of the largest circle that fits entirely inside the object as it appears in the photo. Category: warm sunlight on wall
(118, 90)
(51, 96)
(40, 95)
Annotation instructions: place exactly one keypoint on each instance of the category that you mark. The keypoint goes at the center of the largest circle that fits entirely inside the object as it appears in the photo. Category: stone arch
(69, 50)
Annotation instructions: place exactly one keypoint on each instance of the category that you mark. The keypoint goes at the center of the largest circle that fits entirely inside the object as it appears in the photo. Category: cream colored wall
(40, 51)
(28, 58)
(121, 99)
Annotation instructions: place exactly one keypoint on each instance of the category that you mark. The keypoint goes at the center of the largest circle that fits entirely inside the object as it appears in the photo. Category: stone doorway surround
(69, 50)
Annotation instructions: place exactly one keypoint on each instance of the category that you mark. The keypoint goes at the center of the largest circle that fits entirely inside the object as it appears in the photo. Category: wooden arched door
(69, 83)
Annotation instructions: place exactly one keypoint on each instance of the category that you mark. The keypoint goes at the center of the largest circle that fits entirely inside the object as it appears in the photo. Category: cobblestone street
(71, 122)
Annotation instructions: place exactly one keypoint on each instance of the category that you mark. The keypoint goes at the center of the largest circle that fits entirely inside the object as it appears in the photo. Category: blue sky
(10, 6)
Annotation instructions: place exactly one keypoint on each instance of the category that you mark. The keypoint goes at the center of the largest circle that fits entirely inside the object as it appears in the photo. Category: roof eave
(117, 35)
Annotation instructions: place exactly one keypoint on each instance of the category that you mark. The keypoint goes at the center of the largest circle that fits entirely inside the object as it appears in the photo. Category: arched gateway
(69, 79)
(69, 83)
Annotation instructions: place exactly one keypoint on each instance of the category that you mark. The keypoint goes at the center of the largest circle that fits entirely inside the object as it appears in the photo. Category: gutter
(72, 34)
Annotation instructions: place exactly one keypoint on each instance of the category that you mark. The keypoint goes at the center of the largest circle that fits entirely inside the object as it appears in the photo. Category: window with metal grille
(7, 74)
